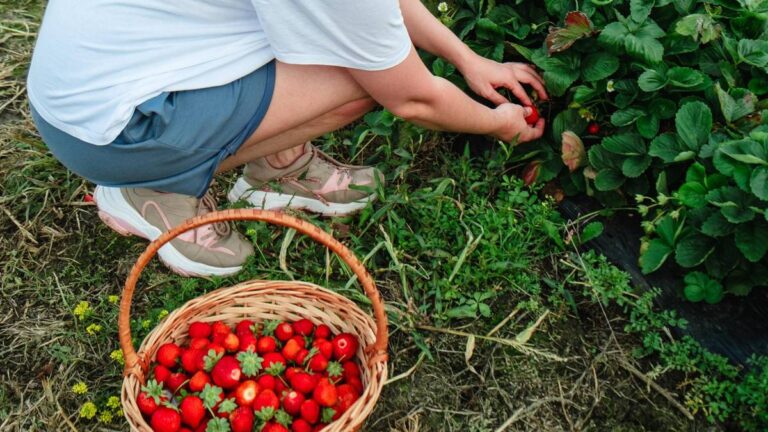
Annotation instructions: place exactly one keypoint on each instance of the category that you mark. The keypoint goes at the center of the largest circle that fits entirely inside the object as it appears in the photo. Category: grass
(490, 327)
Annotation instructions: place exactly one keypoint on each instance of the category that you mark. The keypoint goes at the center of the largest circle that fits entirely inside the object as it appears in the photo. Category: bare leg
(308, 102)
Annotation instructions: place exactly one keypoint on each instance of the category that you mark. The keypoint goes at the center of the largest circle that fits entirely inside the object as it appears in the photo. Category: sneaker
(210, 250)
(314, 182)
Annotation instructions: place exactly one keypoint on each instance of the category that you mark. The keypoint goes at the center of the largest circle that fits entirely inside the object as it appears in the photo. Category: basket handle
(134, 365)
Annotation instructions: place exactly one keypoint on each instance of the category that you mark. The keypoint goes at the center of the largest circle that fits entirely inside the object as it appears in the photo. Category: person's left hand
(484, 76)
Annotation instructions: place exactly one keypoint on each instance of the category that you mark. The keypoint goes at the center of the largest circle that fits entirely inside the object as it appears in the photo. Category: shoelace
(206, 205)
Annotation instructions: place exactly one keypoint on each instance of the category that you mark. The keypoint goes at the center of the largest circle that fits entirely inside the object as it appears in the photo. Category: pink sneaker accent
(120, 226)
(204, 236)
(339, 180)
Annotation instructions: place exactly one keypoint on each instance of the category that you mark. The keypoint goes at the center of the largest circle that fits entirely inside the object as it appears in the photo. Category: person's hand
(512, 124)
(484, 76)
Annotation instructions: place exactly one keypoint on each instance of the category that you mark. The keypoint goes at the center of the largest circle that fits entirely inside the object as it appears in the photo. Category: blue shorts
(175, 141)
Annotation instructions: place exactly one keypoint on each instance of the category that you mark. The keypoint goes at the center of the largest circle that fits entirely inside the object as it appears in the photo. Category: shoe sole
(275, 200)
(117, 214)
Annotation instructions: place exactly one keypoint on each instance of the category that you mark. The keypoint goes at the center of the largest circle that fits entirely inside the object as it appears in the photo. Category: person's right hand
(512, 124)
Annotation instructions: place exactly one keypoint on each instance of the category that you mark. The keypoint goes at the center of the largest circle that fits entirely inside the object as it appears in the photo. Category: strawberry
(351, 370)
(185, 430)
(266, 382)
(248, 342)
(231, 342)
(325, 393)
(219, 328)
(301, 425)
(146, 403)
(301, 356)
(318, 427)
(88, 198)
(266, 344)
(192, 411)
(175, 382)
(318, 363)
(166, 420)
(168, 354)
(291, 349)
(246, 393)
(301, 340)
(303, 382)
(322, 332)
(274, 427)
(344, 346)
(198, 381)
(533, 117)
(216, 347)
(267, 398)
(199, 343)
(161, 373)
(244, 328)
(274, 363)
(280, 387)
(192, 360)
(284, 331)
(226, 374)
(348, 395)
(356, 383)
(303, 327)
(203, 426)
(199, 329)
(292, 402)
(291, 371)
(335, 372)
(310, 411)
(241, 419)
(324, 346)
(593, 128)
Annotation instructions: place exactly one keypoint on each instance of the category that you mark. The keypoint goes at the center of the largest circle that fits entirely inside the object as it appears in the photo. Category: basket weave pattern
(258, 301)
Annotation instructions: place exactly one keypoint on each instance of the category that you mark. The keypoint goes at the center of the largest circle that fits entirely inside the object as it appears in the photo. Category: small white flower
(442, 7)
(609, 87)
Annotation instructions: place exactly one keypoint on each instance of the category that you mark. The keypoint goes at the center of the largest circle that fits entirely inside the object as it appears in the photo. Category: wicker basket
(262, 300)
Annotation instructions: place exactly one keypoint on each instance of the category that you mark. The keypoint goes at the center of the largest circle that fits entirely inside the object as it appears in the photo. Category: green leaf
(694, 123)
(754, 52)
(732, 108)
(669, 230)
(733, 203)
(614, 34)
(746, 151)
(634, 166)
(640, 9)
(626, 116)
(608, 179)
(664, 108)
(716, 225)
(653, 257)
(217, 425)
(648, 49)
(684, 77)
(568, 120)
(759, 182)
(627, 144)
(699, 286)
(692, 195)
(699, 26)
(598, 66)
(577, 26)
(651, 80)
(752, 240)
(648, 126)
(560, 71)
(692, 249)
(668, 148)
(591, 231)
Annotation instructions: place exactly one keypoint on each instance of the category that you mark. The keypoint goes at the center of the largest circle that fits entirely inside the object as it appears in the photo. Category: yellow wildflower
(113, 299)
(113, 402)
(88, 410)
(105, 417)
(146, 324)
(92, 329)
(82, 310)
(80, 388)
(117, 355)
(163, 313)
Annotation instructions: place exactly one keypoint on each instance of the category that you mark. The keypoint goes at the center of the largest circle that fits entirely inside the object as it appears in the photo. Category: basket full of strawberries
(269, 356)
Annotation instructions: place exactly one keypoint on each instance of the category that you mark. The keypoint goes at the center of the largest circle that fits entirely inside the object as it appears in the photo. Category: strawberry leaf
(265, 414)
(283, 418)
(153, 389)
(313, 352)
(218, 425)
(327, 415)
(211, 359)
(250, 363)
(335, 369)
(270, 327)
(275, 369)
(227, 405)
(211, 396)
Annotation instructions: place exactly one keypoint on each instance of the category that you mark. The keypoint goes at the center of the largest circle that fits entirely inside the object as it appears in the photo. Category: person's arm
(484, 76)
(410, 91)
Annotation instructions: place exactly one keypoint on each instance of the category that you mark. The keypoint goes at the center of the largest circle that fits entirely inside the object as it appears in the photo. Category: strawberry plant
(657, 104)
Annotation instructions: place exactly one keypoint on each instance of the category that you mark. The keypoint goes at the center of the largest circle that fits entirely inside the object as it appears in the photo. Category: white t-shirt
(96, 60)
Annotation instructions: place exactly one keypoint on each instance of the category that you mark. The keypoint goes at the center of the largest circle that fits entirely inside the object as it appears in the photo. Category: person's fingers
(528, 78)
(533, 132)
(494, 96)
(530, 70)
(519, 92)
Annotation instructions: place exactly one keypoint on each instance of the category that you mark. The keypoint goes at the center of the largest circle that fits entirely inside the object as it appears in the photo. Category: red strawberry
(185, 430)
(248, 342)
(301, 425)
(351, 370)
(88, 198)
(284, 331)
(175, 382)
(593, 128)
(322, 332)
(301, 340)
(198, 381)
(303, 382)
(203, 426)
(325, 393)
(301, 356)
(246, 393)
(266, 382)
(146, 403)
(231, 342)
(166, 420)
(244, 328)
(161, 373)
(192, 360)
(356, 383)
(272, 359)
(310, 411)
(217, 347)
(303, 327)
(347, 397)
(318, 427)
(274, 427)
(533, 117)
(199, 343)
(291, 349)
(192, 411)
(226, 374)
(241, 419)
(267, 398)
(199, 329)
(266, 344)
(292, 402)
(219, 328)
(291, 371)
(344, 346)
(279, 387)
(318, 363)
(168, 354)
(324, 346)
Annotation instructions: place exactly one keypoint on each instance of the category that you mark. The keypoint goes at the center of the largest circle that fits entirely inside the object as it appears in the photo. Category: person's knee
(352, 111)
